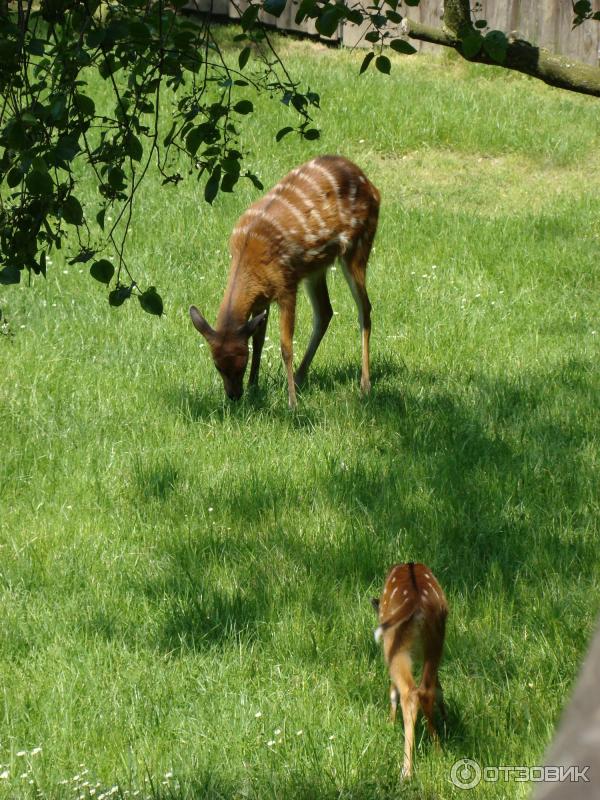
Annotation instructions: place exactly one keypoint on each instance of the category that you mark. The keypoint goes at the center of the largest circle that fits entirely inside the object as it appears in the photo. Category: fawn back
(412, 616)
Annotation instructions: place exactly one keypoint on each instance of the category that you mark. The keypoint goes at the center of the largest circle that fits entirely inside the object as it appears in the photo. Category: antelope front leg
(258, 341)
(286, 326)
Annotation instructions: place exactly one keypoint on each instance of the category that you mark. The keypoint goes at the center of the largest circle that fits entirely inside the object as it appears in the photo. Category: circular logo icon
(465, 773)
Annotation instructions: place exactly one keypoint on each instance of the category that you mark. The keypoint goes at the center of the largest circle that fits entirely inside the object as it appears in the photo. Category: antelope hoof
(365, 385)
(299, 379)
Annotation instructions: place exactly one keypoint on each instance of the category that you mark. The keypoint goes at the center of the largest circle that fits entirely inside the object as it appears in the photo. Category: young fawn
(412, 611)
(321, 210)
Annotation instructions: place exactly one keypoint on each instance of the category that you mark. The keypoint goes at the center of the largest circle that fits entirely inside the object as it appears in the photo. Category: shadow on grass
(270, 396)
(468, 474)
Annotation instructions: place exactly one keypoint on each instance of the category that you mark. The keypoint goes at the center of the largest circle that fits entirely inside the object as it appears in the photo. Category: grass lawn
(185, 583)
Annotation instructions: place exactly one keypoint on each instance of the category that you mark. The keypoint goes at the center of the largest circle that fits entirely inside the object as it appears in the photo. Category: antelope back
(411, 592)
(318, 211)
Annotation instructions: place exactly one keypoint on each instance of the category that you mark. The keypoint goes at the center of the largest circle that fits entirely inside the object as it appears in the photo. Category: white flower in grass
(270, 743)
(37, 750)
(210, 509)
(21, 753)
(277, 732)
(299, 733)
(258, 714)
(168, 775)
(4, 775)
(332, 737)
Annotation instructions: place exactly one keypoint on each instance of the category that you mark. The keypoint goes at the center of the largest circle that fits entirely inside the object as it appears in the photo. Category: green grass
(185, 583)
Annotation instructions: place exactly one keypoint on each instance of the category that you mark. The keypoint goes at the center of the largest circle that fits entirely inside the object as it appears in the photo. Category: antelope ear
(200, 323)
(375, 604)
(250, 328)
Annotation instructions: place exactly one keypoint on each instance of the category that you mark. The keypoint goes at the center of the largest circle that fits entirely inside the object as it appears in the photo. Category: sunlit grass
(185, 583)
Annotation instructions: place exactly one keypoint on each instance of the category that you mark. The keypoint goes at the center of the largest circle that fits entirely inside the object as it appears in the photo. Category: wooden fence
(547, 23)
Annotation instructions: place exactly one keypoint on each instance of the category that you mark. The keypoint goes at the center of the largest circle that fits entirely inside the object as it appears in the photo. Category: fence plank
(543, 22)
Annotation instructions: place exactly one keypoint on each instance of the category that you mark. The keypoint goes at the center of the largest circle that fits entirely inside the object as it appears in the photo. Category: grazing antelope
(321, 210)
(412, 611)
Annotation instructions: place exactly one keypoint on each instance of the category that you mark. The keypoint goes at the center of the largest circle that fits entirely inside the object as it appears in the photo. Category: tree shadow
(464, 480)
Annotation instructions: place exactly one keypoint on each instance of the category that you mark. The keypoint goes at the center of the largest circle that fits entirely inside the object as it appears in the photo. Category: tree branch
(551, 68)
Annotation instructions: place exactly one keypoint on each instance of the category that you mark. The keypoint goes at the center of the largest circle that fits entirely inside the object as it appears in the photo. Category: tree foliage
(53, 130)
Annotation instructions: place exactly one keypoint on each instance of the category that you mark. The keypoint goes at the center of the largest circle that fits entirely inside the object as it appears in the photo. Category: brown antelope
(412, 611)
(320, 210)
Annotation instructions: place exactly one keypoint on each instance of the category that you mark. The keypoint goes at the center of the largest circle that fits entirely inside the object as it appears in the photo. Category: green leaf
(582, 7)
(40, 183)
(139, 32)
(471, 43)
(107, 66)
(412, 2)
(229, 181)
(66, 148)
(274, 7)
(249, 17)
(305, 9)
(373, 36)
(495, 45)
(254, 180)
(383, 64)
(311, 134)
(39, 165)
(244, 56)
(35, 47)
(283, 132)
(481, 23)
(328, 21)
(243, 107)
(95, 38)
(116, 178)
(118, 296)
(193, 140)
(85, 105)
(10, 275)
(212, 185)
(133, 147)
(59, 104)
(102, 271)
(14, 177)
(402, 46)
(72, 212)
(16, 135)
(394, 17)
(151, 301)
(366, 61)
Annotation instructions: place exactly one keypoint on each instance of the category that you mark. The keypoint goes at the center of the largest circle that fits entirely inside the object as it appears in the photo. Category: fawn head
(229, 349)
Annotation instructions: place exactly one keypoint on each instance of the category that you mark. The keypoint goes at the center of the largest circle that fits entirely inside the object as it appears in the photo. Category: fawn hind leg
(354, 265)
(401, 675)
(316, 288)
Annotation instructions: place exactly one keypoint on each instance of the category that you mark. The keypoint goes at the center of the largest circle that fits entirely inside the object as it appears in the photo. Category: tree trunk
(553, 69)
